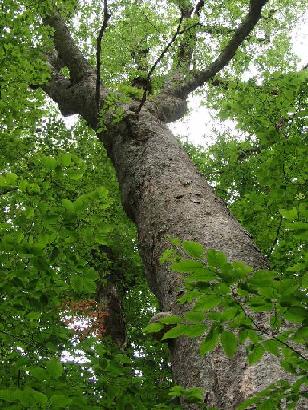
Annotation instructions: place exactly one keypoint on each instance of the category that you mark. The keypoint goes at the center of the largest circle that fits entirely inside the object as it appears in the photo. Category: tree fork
(163, 193)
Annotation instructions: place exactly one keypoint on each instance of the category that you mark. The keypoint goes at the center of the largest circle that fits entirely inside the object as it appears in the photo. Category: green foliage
(225, 309)
(61, 211)
(263, 177)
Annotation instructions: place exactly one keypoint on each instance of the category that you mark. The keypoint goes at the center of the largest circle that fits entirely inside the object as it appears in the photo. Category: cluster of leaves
(263, 177)
(61, 211)
(226, 298)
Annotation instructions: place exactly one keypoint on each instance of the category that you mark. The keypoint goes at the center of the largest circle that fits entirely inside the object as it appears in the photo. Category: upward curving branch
(245, 28)
(67, 50)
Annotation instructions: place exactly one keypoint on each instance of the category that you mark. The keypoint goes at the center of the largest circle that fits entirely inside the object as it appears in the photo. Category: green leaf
(170, 319)
(241, 269)
(267, 405)
(272, 346)
(192, 394)
(295, 314)
(207, 302)
(263, 278)
(39, 373)
(204, 275)
(229, 343)
(68, 205)
(7, 180)
(256, 354)
(153, 327)
(301, 334)
(54, 368)
(216, 259)
(59, 401)
(188, 266)
(194, 249)
(305, 280)
(65, 159)
(185, 330)
(289, 214)
(195, 330)
(49, 163)
(9, 395)
(210, 342)
(194, 315)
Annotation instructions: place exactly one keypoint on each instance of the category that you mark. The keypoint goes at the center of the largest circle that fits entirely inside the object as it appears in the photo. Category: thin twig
(98, 53)
(264, 331)
(158, 60)
(275, 241)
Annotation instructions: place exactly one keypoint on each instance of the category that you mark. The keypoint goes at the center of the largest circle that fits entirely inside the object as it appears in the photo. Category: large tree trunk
(165, 195)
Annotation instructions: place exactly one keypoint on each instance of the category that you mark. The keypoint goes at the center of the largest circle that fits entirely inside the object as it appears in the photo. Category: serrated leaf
(54, 368)
(187, 266)
(194, 249)
(229, 343)
(216, 258)
(194, 315)
(170, 320)
(203, 275)
(153, 327)
(263, 278)
(210, 342)
(272, 346)
(256, 354)
(185, 330)
(207, 302)
(296, 314)
(241, 269)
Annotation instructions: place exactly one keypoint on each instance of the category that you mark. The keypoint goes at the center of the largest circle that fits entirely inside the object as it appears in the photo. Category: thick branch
(73, 98)
(67, 50)
(228, 53)
(77, 94)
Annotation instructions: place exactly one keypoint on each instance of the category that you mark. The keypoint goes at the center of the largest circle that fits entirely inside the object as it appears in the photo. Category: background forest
(65, 236)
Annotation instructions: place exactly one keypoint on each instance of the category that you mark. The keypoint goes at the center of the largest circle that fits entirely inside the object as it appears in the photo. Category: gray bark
(164, 195)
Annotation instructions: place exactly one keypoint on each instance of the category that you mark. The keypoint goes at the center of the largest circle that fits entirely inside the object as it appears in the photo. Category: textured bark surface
(165, 195)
